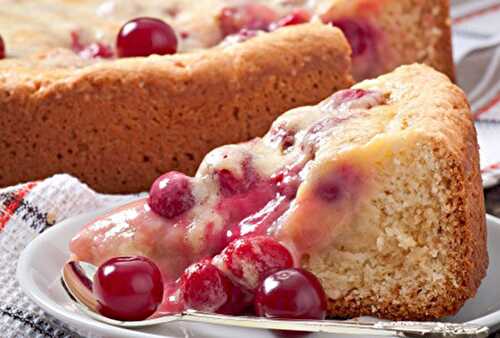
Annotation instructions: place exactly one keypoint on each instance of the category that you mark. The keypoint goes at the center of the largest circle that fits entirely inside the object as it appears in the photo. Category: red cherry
(360, 34)
(297, 17)
(90, 51)
(146, 36)
(247, 261)
(96, 50)
(128, 288)
(249, 16)
(291, 294)
(2, 48)
(205, 288)
(231, 184)
(171, 195)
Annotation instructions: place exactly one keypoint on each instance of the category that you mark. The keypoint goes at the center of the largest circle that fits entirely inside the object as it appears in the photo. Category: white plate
(40, 264)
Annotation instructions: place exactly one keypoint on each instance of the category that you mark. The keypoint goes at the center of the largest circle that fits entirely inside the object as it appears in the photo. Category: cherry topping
(2, 48)
(242, 36)
(359, 34)
(205, 288)
(144, 37)
(249, 16)
(247, 261)
(229, 184)
(90, 51)
(128, 288)
(287, 182)
(296, 17)
(171, 195)
(291, 293)
(347, 95)
(283, 136)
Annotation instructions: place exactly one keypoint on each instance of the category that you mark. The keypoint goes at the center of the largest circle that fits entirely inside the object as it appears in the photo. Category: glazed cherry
(249, 260)
(205, 288)
(291, 294)
(128, 288)
(2, 48)
(144, 37)
(171, 195)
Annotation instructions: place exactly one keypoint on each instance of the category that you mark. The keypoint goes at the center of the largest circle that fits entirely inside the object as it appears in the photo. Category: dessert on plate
(68, 104)
(376, 191)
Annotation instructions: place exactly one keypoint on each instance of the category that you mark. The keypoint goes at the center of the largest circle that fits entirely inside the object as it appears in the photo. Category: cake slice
(376, 190)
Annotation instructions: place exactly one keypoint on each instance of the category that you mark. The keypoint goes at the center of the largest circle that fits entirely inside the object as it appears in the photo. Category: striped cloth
(477, 23)
(27, 210)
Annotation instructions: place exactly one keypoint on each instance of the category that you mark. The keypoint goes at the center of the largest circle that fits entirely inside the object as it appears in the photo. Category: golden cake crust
(437, 113)
(118, 125)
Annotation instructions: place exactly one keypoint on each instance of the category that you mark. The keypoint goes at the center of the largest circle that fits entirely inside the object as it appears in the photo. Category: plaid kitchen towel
(25, 211)
(28, 209)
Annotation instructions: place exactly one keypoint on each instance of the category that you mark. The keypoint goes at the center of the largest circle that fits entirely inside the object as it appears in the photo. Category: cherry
(292, 294)
(205, 288)
(296, 17)
(248, 260)
(249, 16)
(90, 51)
(171, 195)
(146, 36)
(229, 184)
(2, 48)
(359, 34)
(128, 288)
(95, 50)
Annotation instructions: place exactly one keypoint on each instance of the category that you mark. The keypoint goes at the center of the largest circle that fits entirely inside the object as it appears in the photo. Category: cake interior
(401, 251)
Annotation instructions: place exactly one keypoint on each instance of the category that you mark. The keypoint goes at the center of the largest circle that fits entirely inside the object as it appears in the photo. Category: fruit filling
(252, 210)
(2, 48)
(106, 29)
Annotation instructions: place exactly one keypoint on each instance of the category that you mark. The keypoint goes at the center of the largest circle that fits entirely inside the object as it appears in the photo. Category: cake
(376, 190)
(118, 125)
(385, 34)
(69, 106)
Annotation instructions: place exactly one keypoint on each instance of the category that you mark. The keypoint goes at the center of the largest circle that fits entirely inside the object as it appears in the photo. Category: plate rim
(25, 280)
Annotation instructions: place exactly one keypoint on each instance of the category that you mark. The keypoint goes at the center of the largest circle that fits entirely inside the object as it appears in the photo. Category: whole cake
(376, 191)
(67, 104)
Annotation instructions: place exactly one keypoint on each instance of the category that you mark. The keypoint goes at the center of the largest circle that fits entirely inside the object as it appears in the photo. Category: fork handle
(353, 327)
